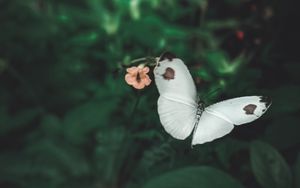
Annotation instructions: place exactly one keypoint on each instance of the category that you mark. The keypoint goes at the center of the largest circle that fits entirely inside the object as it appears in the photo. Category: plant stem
(137, 101)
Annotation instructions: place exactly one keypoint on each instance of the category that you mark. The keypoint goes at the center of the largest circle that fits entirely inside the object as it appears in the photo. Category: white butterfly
(181, 114)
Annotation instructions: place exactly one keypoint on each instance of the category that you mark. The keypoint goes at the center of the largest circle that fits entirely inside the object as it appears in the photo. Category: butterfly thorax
(200, 109)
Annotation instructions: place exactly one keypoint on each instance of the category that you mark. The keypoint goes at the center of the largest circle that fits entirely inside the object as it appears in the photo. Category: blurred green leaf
(221, 64)
(225, 150)
(3, 65)
(148, 135)
(111, 148)
(281, 96)
(269, 167)
(51, 125)
(203, 74)
(87, 38)
(24, 172)
(13, 122)
(60, 156)
(155, 156)
(283, 132)
(87, 117)
(175, 32)
(24, 117)
(293, 70)
(193, 177)
(224, 24)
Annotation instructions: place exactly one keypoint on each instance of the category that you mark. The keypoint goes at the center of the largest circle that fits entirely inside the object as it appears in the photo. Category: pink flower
(137, 77)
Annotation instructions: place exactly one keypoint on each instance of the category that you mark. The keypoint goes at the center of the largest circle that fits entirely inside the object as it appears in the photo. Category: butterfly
(181, 114)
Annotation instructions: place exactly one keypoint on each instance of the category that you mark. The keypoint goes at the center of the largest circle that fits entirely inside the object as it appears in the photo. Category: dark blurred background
(68, 118)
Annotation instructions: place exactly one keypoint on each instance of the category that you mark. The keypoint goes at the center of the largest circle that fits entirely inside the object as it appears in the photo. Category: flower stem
(137, 101)
(139, 60)
(149, 61)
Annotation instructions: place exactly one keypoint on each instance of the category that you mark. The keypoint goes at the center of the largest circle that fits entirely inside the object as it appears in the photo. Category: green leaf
(111, 152)
(203, 74)
(59, 156)
(286, 99)
(87, 38)
(22, 118)
(293, 70)
(287, 129)
(85, 118)
(269, 167)
(221, 64)
(193, 177)
(225, 151)
(51, 125)
(216, 24)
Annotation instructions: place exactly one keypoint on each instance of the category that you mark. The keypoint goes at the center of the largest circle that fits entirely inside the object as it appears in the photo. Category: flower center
(138, 77)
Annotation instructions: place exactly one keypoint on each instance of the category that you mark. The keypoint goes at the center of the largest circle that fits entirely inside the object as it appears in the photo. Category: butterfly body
(181, 114)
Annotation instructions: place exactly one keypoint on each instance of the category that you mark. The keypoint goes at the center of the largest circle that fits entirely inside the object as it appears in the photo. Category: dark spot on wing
(167, 55)
(266, 100)
(249, 109)
(169, 74)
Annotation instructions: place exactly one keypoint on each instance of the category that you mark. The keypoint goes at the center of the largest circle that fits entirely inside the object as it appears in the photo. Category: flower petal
(132, 70)
(130, 79)
(146, 80)
(145, 70)
(138, 85)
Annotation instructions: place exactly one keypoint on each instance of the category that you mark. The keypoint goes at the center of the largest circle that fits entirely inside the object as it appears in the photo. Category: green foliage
(68, 118)
(192, 177)
(268, 166)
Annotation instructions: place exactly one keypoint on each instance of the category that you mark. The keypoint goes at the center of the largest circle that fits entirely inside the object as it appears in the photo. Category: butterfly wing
(174, 81)
(177, 104)
(240, 110)
(218, 119)
(209, 128)
(178, 119)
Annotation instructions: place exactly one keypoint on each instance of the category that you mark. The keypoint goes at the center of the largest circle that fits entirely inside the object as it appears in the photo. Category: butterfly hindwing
(209, 128)
(178, 119)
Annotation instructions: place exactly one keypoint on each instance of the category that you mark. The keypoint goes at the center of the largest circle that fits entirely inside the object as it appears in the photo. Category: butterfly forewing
(175, 82)
(240, 110)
